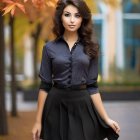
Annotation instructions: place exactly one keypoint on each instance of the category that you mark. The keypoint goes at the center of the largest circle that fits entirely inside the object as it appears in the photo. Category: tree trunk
(13, 80)
(3, 117)
(35, 47)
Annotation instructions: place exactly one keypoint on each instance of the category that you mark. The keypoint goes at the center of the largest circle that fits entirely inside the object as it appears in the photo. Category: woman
(69, 102)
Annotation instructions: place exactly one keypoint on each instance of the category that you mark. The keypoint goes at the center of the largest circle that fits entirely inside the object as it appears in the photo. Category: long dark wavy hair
(85, 32)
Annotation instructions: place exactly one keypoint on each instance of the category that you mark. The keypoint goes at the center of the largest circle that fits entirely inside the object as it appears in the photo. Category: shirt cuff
(93, 88)
(45, 86)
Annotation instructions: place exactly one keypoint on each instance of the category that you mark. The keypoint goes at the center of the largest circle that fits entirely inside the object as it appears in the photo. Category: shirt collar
(62, 38)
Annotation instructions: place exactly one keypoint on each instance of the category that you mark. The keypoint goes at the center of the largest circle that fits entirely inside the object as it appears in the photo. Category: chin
(72, 30)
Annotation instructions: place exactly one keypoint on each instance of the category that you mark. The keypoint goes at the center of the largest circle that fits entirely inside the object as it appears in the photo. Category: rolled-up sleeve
(45, 72)
(92, 84)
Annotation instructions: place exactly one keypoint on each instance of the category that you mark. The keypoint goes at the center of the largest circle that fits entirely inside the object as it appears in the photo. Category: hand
(114, 125)
(36, 131)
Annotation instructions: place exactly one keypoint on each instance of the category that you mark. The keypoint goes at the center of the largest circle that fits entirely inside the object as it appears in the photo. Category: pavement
(126, 113)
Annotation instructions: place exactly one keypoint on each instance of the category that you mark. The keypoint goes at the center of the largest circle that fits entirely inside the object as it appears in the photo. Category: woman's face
(71, 18)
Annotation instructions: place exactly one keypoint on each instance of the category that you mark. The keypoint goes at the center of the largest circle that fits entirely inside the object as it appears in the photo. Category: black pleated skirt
(71, 115)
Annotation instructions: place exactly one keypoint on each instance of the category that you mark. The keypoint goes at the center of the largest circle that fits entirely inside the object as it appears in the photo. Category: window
(131, 18)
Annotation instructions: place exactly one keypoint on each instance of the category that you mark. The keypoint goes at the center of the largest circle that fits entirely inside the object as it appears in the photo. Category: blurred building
(118, 32)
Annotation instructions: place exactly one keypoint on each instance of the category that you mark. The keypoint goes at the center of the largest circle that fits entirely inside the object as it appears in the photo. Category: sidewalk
(128, 115)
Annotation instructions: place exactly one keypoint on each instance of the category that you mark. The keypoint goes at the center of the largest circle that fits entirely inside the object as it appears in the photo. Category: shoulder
(49, 44)
(53, 44)
(48, 47)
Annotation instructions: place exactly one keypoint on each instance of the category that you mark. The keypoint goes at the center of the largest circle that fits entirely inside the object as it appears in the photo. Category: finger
(38, 134)
(116, 127)
(34, 135)
(113, 127)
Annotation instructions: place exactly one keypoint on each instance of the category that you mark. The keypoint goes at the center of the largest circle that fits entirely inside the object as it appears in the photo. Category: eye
(66, 14)
(77, 15)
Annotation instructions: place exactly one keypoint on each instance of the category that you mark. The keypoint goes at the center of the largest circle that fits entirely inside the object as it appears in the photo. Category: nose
(72, 19)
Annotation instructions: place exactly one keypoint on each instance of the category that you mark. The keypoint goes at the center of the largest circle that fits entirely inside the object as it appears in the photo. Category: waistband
(68, 94)
(75, 87)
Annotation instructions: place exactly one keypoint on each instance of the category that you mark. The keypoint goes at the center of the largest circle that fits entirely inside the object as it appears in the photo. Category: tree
(13, 80)
(3, 118)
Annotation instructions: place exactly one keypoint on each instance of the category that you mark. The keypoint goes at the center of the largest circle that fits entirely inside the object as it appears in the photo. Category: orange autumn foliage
(10, 6)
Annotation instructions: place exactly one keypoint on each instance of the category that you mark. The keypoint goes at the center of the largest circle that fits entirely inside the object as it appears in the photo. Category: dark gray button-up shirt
(62, 66)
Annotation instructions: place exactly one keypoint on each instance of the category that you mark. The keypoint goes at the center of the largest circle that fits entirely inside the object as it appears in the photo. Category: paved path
(128, 116)
(126, 113)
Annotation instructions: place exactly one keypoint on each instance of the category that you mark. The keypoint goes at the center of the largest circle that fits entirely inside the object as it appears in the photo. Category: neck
(70, 36)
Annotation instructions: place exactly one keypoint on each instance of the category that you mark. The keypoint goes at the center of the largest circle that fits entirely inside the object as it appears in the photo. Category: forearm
(97, 101)
(41, 101)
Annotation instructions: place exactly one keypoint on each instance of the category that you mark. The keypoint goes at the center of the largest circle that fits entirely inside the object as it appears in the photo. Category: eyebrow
(70, 13)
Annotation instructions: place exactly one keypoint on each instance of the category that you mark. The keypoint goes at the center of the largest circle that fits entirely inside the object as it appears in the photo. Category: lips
(71, 26)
